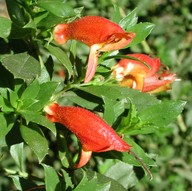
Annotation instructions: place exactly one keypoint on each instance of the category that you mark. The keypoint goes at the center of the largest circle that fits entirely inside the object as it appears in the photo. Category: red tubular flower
(98, 33)
(94, 134)
(137, 75)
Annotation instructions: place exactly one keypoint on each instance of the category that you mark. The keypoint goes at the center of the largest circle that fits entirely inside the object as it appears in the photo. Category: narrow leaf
(130, 20)
(62, 57)
(142, 30)
(5, 27)
(17, 152)
(51, 179)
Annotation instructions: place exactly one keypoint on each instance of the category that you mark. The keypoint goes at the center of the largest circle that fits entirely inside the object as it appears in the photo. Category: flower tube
(94, 133)
(99, 33)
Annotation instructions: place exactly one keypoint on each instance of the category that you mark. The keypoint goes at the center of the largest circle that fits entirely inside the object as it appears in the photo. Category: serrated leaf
(35, 117)
(57, 7)
(163, 113)
(51, 179)
(17, 152)
(142, 30)
(35, 139)
(62, 57)
(112, 109)
(127, 121)
(5, 27)
(67, 179)
(22, 66)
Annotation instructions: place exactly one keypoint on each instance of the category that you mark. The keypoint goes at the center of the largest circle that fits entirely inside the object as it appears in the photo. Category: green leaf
(109, 112)
(104, 187)
(51, 179)
(22, 183)
(13, 97)
(72, 96)
(64, 152)
(86, 184)
(141, 100)
(130, 159)
(112, 109)
(22, 66)
(117, 15)
(17, 152)
(16, 13)
(5, 27)
(163, 113)
(105, 181)
(6, 123)
(123, 173)
(35, 117)
(31, 91)
(130, 20)
(142, 30)
(34, 137)
(67, 179)
(57, 7)
(62, 57)
(42, 97)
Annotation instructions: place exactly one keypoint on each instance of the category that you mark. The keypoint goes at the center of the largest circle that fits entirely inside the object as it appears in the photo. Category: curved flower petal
(137, 75)
(98, 33)
(94, 134)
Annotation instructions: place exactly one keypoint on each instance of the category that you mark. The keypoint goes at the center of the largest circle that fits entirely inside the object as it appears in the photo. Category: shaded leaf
(62, 57)
(34, 137)
(22, 66)
(6, 123)
(35, 117)
(42, 97)
(68, 182)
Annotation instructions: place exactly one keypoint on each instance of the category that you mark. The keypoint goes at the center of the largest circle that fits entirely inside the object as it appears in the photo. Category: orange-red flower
(94, 134)
(145, 74)
(98, 33)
